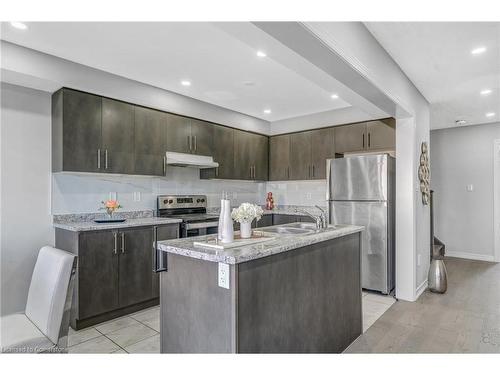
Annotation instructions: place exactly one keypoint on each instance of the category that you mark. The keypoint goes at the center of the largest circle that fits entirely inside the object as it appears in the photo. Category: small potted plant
(244, 215)
(110, 206)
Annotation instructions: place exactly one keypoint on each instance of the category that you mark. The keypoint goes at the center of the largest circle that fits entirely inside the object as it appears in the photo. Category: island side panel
(306, 300)
(196, 315)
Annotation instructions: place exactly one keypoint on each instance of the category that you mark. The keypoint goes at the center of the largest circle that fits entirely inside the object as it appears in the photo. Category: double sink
(292, 229)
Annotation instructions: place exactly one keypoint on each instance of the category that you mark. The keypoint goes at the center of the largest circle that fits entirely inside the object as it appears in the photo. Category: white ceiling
(218, 58)
(437, 58)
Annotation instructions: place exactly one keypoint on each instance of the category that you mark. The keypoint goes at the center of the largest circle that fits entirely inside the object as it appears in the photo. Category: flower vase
(110, 213)
(246, 229)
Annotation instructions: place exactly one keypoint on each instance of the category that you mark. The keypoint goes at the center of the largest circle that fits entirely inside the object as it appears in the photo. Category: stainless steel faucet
(320, 220)
(324, 218)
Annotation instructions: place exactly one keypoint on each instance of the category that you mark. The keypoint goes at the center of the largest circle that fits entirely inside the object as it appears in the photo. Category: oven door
(199, 228)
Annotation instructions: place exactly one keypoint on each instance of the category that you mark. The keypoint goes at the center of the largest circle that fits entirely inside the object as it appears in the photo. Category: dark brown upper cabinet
(118, 136)
(178, 134)
(76, 132)
(381, 134)
(371, 135)
(322, 148)
(300, 156)
(150, 141)
(279, 157)
(223, 153)
(189, 135)
(251, 152)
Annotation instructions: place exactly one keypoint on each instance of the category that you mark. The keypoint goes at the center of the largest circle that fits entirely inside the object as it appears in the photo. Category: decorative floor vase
(438, 279)
(246, 230)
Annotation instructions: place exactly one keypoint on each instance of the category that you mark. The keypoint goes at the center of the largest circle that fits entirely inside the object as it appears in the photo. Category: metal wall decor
(424, 174)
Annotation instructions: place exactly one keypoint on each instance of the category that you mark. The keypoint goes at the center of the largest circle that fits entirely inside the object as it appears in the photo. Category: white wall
(464, 220)
(26, 222)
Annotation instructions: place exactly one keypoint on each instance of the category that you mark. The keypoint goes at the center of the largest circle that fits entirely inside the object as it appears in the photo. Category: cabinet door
(81, 138)
(350, 138)
(118, 136)
(260, 156)
(300, 156)
(149, 150)
(97, 273)
(178, 134)
(223, 153)
(243, 154)
(279, 158)
(265, 221)
(135, 266)
(323, 148)
(202, 134)
(279, 219)
(381, 135)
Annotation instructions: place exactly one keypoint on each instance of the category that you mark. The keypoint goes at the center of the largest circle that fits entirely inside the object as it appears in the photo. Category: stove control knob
(170, 201)
(165, 201)
(203, 199)
(198, 200)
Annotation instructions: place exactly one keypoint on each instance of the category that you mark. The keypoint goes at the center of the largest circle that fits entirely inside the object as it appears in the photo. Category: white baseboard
(421, 288)
(473, 256)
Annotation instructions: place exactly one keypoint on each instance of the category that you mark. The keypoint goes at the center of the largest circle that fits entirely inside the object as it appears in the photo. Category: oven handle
(205, 224)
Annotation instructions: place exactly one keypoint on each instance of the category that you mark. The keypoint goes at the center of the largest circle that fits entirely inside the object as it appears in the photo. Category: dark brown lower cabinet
(115, 271)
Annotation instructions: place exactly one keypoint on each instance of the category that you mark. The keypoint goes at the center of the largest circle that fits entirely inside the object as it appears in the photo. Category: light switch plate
(470, 188)
(224, 275)
(137, 196)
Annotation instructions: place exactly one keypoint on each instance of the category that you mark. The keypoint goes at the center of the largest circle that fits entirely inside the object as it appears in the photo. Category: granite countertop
(278, 244)
(85, 222)
(279, 210)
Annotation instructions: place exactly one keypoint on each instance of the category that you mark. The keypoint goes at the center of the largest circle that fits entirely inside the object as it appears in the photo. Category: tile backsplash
(82, 193)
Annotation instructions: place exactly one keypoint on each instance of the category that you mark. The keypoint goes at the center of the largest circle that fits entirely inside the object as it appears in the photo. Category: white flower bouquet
(246, 212)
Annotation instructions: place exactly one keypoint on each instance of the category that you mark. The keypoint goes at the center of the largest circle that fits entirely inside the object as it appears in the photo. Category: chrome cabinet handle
(369, 140)
(123, 242)
(164, 165)
(189, 142)
(288, 172)
(98, 158)
(106, 159)
(363, 140)
(216, 171)
(313, 170)
(195, 144)
(115, 250)
(309, 171)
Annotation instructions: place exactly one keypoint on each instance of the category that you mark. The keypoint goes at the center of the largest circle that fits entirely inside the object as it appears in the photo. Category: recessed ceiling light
(186, 83)
(261, 54)
(486, 92)
(19, 25)
(267, 111)
(490, 114)
(334, 96)
(478, 50)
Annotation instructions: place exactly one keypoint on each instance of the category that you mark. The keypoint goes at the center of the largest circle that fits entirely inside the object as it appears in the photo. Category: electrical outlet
(137, 196)
(112, 195)
(224, 275)
(470, 188)
(309, 196)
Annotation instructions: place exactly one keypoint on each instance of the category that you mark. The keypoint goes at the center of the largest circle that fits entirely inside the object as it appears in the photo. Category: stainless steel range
(192, 210)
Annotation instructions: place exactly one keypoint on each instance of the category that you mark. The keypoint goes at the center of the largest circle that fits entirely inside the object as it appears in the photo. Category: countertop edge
(300, 242)
(92, 226)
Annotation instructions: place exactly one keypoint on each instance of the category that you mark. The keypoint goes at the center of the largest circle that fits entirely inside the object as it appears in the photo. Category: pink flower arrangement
(110, 206)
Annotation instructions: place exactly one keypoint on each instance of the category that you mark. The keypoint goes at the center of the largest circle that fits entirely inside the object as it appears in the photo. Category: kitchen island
(287, 291)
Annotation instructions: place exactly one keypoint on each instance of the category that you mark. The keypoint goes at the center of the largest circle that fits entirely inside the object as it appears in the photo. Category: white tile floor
(140, 332)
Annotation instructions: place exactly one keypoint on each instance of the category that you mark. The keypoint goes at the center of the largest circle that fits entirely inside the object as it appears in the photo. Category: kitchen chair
(44, 325)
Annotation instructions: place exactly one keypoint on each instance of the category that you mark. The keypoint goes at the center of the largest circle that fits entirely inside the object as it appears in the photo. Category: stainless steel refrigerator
(361, 191)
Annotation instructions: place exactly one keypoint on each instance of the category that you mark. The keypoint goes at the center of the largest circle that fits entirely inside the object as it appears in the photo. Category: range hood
(179, 159)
